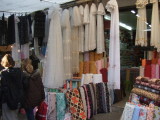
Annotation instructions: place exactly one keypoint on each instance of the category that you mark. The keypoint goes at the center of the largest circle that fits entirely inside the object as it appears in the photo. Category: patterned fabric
(92, 67)
(147, 101)
(75, 105)
(93, 97)
(157, 87)
(86, 67)
(51, 101)
(104, 100)
(147, 94)
(90, 100)
(147, 71)
(156, 113)
(81, 69)
(143, 113)
(107, 98)
(153, 71)
(97, 78)
(61, 106)
(91, 56)
(86, 56)
(150, 112)
(136, 112)
(134, 98)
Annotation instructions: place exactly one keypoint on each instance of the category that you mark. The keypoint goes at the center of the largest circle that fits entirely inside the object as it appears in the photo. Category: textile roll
(159, 61)
(145, 79)
(147, 71)
(82, 92)
(80, 69)
(147, 101)
(51, 101)
(139, 78)
(154, 61)
(92, 56)
(61, 106)
(92, 67)
(147, 94)
(86, 56)
(93, 97)
(134, 98)
(157, 71)
(104, 100)
(104, 73)
(136, 112)
(86, 67)
(141, 71)
(107, 98)
(90, 100)
(152, 81)
(81, 57)
(153, 71)
(86, 79)
(99, 66)
(150, 112)
(143, 62)
(97, 78)
(156, 113)
(148, 62)
(143, 113)
(75, 104)
(98, 56)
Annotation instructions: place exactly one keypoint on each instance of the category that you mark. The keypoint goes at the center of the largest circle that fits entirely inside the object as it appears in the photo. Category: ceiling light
(147, 30)
(150, 26)
(132, 11)
(137, 15)
(146, 23)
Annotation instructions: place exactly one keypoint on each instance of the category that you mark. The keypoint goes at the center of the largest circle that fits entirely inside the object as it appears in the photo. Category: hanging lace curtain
(155, 36)
(114, 45)
(66, 36)
(53, 74)
(100, 29)
(141, 33)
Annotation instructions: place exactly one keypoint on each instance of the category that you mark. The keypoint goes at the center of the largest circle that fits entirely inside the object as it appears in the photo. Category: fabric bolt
(145, 79)
(67, 116)
(154, 60)
(134, 98)
(153, 71)
(155, 37)
(156, 113)
(81, 64)
(92, 27)
(86, 67)
(157, 87)
(75, 104)
(61, 106)
(97, 78)
(90, 100)
(88, 78)
(104, 97)
(92, 67)
(104, 73)
(81, 57)
(128, 112)
(141, 71)
(86, 56)
(66, 38)
(159, 61)
(93, 97)
(82, 92)
(148, 71)
(98, 56)
(51, 101)
(99, 66)
(88, 104)
(100, 29)
(16, 46)
(91, 56)
(149, 62)
(141, 36)
(157, 71)
(24, 51)
(143, 113)
(107, 98)
(136, 112)
(143, 62)
(53, 77)
(150, 112)
(147, 94)
(114, 45)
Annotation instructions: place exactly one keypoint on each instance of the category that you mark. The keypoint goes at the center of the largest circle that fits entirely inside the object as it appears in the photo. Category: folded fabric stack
(88, 100)
(140, 112)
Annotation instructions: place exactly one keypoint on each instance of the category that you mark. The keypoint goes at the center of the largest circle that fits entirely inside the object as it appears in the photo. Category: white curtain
(141, 34)
(16, 46)
(92, 27)
(53, 75)
(66, 36)
(81, 30)
(86, 21)
(155, 35)
(114, 46)
(100, 29)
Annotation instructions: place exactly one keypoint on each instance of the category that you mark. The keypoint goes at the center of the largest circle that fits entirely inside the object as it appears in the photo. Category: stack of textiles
(88, 100)
(147, 90)
(91, 62)
(73, 83)
(140, 112)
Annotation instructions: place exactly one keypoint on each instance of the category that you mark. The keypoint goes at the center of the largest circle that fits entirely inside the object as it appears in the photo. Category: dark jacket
(35, 92)
(12, 87)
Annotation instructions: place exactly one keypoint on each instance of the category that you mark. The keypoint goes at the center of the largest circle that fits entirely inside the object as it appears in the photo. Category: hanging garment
(24, 51)
(75, 105)
(81, 30)
(75, 23)
(66, 36)
(16, 46)
(53, 75)
(86, 22)
(37, 49)
(11, 29)
(61, 106)
(114, 46)
(51, 101)
(100, 29)
(141, 34)
(92, 27)
(155, 36)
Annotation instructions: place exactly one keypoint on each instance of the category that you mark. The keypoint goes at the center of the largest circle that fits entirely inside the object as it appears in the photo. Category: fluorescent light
(120, 23)
(146, 23)
(150, 26)
(137, 15)
(147, 30)
(132, 11)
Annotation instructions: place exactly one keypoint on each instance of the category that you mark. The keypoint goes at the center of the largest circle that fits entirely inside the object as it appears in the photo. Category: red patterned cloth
(104, 73)
(147, 71)
(75, 104)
